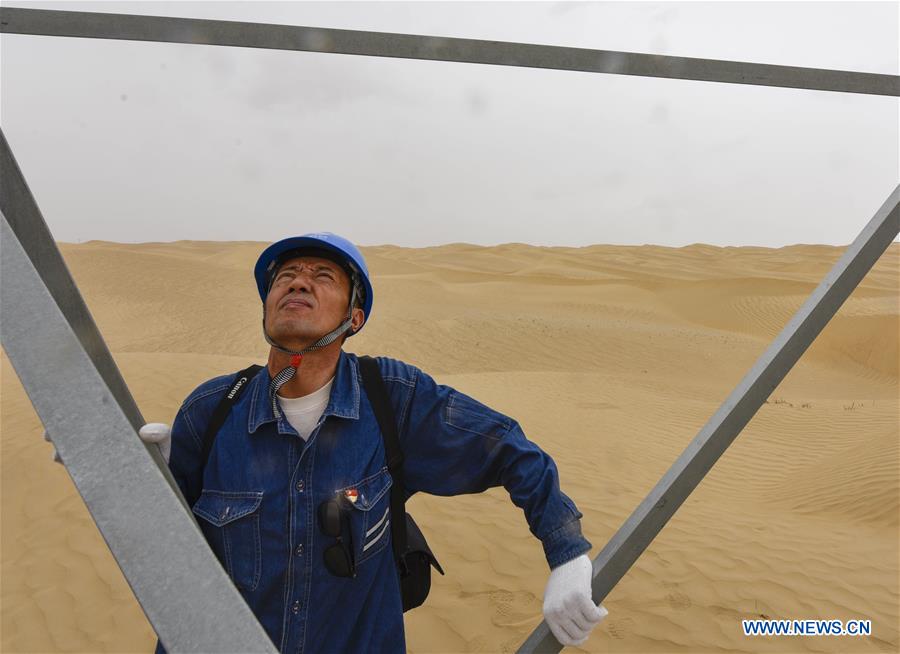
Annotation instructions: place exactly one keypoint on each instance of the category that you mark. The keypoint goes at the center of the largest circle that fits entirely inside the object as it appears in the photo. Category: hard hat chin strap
(288, 373)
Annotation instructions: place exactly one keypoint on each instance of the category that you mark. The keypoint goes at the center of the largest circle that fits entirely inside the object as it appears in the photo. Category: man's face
(308, 299)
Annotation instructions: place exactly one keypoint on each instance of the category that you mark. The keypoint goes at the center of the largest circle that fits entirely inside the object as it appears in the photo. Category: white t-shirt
(304, 412)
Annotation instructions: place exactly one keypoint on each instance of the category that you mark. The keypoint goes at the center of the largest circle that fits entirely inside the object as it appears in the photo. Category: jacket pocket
(233, 519)
(370, 514)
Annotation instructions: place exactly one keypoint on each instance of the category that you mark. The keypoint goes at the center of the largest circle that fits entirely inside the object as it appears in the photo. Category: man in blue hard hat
(303, 435)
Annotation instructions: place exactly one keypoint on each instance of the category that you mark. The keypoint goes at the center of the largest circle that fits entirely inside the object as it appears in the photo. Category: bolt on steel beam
(412, 46)
(52, 343)
(701, 454)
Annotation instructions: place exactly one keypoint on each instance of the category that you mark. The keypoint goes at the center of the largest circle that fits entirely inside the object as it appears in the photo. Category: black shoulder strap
(384, 413)
(224, 408)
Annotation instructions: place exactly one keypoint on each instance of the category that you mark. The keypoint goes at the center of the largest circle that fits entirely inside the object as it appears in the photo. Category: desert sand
(611, 358)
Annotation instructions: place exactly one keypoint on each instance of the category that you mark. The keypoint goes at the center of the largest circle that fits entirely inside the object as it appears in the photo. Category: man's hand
(568, 608)
(159, 433)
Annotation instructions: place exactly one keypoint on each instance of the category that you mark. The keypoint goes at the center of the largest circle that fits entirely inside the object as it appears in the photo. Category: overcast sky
(141, 142)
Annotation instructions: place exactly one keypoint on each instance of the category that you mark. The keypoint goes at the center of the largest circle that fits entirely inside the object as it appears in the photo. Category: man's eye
(326, 274)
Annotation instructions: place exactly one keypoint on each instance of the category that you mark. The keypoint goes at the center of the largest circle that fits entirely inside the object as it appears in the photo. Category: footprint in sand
(678, 601)
(675, 598)
(501, 596)
(511, 606)
(619, 628)
(502, 601)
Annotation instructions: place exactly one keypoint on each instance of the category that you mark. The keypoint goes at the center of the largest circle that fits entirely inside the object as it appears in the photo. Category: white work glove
(568, 608)
(159, 433)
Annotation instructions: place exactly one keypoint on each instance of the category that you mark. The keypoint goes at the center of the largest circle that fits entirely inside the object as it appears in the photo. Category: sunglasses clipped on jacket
(335, 523)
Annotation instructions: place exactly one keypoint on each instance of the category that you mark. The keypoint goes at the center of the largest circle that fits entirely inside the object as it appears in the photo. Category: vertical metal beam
(81, 24)
(714, 438)
(161, 551)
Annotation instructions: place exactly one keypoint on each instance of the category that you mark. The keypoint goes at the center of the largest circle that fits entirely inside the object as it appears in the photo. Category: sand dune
(611, 358)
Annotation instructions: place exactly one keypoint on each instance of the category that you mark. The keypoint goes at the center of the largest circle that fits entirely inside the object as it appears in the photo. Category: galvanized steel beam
(435, 48)
(54, 347)
(26, 222)
(736, 411)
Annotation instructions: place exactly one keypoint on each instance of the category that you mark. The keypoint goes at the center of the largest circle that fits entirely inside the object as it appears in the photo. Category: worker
(294, 495)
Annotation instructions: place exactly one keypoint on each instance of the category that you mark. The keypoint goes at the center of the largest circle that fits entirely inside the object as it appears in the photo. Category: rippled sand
(611, 358)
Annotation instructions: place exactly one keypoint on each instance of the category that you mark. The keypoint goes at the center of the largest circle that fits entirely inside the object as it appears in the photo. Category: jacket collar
(343, 403)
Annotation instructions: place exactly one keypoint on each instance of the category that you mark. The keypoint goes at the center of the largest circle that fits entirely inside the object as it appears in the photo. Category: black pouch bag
(416, 584)
(414, 557)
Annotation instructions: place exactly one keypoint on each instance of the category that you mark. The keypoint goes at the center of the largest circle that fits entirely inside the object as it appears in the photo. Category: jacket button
(296, 607)
(300, 486)
(299, 550)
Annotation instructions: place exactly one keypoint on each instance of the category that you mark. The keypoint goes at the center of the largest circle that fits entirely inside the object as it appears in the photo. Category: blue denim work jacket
(257, 499)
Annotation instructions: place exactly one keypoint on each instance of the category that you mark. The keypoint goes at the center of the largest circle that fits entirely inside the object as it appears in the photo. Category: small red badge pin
(351, 494)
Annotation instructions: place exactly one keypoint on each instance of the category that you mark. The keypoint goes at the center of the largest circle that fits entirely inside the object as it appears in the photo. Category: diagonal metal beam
(714, 438)
(52, 345)
(27, 223)
(435, 48)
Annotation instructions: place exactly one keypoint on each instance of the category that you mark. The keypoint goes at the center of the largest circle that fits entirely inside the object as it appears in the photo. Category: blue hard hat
(340, 246)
